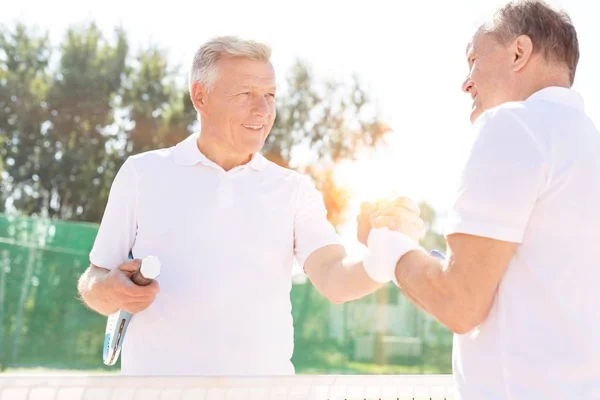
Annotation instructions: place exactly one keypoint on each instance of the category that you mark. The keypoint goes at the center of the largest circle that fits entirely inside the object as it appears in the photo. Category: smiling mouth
(253, 127)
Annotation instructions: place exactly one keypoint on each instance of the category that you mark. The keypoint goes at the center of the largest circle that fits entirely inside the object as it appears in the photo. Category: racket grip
(139, 279)
(147, 272)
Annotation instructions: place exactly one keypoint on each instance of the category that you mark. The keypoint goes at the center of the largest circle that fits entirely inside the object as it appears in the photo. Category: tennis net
(327, 387)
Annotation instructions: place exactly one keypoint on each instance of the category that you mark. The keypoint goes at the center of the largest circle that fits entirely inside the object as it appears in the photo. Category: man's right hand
(108, 291)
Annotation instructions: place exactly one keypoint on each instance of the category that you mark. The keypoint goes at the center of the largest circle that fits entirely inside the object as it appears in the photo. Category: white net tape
(328, 387)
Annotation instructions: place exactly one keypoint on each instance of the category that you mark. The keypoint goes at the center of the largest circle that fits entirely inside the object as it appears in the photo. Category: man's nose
(467, 85)
(261, 107)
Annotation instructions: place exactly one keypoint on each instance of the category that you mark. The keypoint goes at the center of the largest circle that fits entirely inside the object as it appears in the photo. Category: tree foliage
(70, 114)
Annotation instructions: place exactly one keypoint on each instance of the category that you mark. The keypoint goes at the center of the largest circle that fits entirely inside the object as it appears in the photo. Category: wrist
(385, 249)
(94, 294)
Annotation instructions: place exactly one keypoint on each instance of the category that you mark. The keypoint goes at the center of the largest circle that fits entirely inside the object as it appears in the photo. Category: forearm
(349, 281)
(435, 288)
(337, 278)
(85, 287)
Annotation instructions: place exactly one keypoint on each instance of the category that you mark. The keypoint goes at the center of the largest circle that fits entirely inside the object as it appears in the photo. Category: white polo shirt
(533, 178)
(227, 242)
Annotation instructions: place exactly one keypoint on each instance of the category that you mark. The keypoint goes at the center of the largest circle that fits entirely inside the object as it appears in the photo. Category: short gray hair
(551, 30)
(204, 64)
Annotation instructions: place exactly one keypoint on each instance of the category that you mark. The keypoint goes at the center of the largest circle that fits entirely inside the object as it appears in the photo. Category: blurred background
(369, 105)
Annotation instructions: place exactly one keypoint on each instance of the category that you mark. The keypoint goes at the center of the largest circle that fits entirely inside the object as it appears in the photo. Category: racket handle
(148, 271)
(139, 279)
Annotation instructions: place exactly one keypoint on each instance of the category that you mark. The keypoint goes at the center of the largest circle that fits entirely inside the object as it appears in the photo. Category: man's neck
(544, 79)
(220, 154)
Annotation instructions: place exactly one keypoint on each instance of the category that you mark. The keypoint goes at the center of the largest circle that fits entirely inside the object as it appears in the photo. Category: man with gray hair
(519, 283)
(226, 225)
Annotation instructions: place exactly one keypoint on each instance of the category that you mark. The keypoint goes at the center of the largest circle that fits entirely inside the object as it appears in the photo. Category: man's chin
(475, 114)
(254, 147)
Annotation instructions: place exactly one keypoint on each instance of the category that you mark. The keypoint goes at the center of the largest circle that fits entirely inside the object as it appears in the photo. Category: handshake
(389, 229)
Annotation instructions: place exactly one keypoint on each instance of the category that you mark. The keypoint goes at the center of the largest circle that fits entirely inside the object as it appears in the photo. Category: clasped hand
(389, 229)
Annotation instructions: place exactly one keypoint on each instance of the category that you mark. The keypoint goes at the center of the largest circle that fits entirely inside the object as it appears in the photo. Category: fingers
(394, 212)
(401, 220)
(119, 288)
(367, 207)
(130, 266)
(364, 222)
(403, 202)
(133, 298)
(128, 269)
(133, 290)
(399, 214)
(397, 223)
(136, 307)
(385, 221)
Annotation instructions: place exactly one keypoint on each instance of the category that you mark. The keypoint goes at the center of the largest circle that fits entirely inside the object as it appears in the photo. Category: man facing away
(226, 224)
(519, 286)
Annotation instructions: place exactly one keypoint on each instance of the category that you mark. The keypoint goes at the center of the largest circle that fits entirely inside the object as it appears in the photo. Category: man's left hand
(399, 214)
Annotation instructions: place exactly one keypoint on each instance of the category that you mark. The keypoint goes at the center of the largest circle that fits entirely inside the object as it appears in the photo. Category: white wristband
(385, 249)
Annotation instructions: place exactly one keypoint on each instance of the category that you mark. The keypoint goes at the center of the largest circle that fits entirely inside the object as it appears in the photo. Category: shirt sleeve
(312, 229)
(118, 228)
(502, 178)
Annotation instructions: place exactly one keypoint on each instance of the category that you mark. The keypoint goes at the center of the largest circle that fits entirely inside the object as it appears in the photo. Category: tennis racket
(117, 323)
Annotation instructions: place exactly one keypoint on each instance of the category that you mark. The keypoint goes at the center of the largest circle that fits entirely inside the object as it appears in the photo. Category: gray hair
(551, 30)
(204, 64)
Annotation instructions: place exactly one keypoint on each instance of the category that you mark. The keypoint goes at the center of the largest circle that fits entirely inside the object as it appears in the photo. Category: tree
(24, 84)
(332, 121)
(81, 101)
(155, 106)
(58, 125)
(69, 125)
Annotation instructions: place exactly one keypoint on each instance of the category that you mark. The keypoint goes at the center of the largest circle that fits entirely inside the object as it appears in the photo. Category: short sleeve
(501, 180)
(312, 229)
(117, 231)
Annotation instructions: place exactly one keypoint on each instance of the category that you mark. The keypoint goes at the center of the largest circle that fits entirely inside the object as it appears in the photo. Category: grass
(361, 368)
(327, 361)
(350, 368)
(321, 363)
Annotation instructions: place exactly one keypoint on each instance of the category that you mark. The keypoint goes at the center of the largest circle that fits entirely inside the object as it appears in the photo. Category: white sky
(410, 56)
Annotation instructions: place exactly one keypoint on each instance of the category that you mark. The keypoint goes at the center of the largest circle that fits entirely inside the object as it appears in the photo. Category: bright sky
(410, 56)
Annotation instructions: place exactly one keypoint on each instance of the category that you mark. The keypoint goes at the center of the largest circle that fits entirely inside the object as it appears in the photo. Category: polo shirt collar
(562, 95)
(187, 153)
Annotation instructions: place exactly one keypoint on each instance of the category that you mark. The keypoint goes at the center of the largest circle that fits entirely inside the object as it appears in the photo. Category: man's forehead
(479, 40)
(242, 65)
(469, 47)
(255, 79)
(247, 82)
(247, 72)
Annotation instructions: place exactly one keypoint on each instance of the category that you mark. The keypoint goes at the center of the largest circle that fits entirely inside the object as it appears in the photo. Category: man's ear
(522, 49)
(198, 96)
